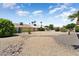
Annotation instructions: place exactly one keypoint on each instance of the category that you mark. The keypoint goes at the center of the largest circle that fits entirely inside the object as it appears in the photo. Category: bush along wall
(41, 29)
(57, 29)
(77, 29)
(7, 28)
(63, 30)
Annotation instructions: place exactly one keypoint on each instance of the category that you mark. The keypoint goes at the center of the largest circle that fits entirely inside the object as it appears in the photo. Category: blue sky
(48, 13)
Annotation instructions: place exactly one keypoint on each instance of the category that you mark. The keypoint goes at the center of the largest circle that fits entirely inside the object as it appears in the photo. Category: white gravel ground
(48, 43)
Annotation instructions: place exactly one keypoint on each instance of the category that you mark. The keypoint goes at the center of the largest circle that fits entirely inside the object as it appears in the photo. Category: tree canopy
(70, 26)
(7, 28)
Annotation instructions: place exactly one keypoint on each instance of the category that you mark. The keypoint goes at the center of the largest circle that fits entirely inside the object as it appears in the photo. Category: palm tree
(73, 16)
(41, 23)
(33, 23)
(21, 23)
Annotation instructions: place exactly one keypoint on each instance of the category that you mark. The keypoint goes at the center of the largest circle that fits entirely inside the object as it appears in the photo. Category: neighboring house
(25, 27)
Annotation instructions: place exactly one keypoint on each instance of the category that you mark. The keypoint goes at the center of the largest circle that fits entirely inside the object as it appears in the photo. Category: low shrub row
(41, 29)
(63, 30)
(57, 29)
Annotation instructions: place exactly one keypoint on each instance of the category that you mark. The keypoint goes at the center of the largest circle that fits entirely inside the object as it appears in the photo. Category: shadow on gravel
(10, 36)
(64, 40)
(78, 36)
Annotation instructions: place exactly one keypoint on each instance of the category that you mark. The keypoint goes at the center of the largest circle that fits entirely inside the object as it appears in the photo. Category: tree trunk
(77, 22)
(68, 32)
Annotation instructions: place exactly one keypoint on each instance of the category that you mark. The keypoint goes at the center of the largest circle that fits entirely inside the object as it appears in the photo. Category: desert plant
(6, 28)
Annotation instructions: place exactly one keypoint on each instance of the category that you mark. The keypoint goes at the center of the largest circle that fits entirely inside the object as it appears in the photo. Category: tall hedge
(6, 28)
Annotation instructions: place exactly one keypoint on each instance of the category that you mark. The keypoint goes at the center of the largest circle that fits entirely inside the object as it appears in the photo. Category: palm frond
(73, 16)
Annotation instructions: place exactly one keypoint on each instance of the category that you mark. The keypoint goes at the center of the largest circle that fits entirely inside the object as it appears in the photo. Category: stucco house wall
(25, 27)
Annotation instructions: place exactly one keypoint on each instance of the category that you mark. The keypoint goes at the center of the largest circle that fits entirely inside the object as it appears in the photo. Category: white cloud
(62, 18)
(9, 5)
(58, 8)
(63, 12)
(22, 13)
(29, 4)
(67, 13)
(50, 7)
(53, 10)
(17, 7)
(64, 15)
(37, 12)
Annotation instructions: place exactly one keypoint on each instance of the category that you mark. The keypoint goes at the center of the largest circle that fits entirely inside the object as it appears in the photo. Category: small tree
(46, 28)
(6, 28)
(21, 23)
(63, 29)
(51, 27)
(70, 27)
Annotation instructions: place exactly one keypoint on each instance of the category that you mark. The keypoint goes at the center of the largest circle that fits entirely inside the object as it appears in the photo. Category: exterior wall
(25, 28)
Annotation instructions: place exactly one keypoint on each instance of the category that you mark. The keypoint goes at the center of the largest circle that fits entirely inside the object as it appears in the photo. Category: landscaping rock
(12, 50)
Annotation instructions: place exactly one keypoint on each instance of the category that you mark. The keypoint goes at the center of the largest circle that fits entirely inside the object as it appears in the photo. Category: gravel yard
(48, 43)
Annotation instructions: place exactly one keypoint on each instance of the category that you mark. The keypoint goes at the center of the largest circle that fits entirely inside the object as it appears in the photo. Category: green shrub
(51, 27)
(77, 28)
(57, 29)
(41, 29)
(29, 31)
(63, 30)
(70, 26)
(6, 28)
